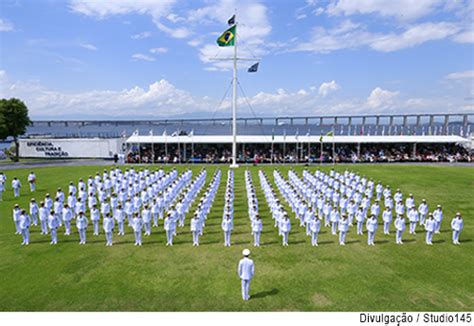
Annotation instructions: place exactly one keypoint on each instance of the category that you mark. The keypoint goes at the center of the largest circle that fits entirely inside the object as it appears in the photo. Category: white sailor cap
(246, 252)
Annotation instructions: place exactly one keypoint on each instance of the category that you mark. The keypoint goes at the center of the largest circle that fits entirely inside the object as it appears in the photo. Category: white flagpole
(166, 146)
(152, 148)
(234, 105)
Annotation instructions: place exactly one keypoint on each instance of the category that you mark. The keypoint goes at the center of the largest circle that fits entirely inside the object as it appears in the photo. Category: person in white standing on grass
(257, 230)
(16, 185)
(81, 224)
(3, 179)
(32, 181)
(457, 225)
(246, 271)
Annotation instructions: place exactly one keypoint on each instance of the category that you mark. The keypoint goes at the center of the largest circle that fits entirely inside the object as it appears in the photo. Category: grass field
(69, 277)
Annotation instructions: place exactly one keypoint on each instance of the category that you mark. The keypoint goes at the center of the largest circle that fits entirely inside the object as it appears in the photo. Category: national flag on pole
(253, 68)
(164, 133)
(174, 134)
(329, 134)
(231, 21)
(151, 132)
(135, 133)
(227, 38)
(191, 134)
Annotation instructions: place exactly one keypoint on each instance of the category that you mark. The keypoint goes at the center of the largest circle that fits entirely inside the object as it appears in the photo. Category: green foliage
(411, 277)
(13, 120)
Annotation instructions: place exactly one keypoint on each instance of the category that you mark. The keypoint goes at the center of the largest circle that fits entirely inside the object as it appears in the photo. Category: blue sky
(151, 58)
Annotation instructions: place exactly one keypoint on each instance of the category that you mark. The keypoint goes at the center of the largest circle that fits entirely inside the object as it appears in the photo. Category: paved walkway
(85, 162)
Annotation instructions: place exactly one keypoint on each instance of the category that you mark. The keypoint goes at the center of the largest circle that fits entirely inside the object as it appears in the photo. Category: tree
(13, 120)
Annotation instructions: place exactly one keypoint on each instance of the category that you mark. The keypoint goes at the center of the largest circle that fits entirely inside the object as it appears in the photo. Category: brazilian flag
(227, 38)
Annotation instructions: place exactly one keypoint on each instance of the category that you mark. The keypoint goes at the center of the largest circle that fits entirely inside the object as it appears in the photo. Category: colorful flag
(227, 38)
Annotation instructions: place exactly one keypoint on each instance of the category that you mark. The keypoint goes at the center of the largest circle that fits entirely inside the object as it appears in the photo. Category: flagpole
(166, 147)
(192, 146)
(234, 105)
(152, 148)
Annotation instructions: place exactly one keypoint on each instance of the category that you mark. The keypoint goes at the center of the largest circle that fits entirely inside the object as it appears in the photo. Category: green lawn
(69, 277)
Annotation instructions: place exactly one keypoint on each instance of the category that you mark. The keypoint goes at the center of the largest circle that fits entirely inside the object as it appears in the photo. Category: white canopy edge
(227, 139)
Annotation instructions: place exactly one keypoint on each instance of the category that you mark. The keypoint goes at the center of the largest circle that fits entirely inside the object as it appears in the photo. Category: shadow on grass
(381, 241)
(264, 294)
(439, 241)
(467, 240)
(352, 241)
(325, 242)
(409, 240)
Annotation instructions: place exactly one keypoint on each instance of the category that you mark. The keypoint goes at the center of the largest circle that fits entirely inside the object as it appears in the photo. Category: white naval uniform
(246, 270)
(81, 224)
(315, 227)
(430, 227)
(371, 229)
(400, 227)
(195, 229)
(257, 230)
(227, 226)
(137, 225)
(108, 226)
(456, 225)
(285, 227)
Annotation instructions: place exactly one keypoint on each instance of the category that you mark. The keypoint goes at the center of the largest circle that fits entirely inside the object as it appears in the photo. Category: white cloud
(468, 74)
(160, 98)
(413, 36)
(380, 98)
(175, 32)
(5, 25)
(88, 46)
(401, 9)
(141, 36)
(350, 35)
(164, 99)
(466, 36)
(158, 50)
(326, 88)
(141, 56)
(103, 9)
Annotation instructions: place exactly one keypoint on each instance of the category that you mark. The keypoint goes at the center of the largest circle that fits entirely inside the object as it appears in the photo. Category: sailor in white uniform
(246, 270)
(67, 217)
(119, 216)
(399, 227)
(343, 228)
(413, 218)
(371, 226)
(137, 225)
(423, 211)
(34, 211)
(195, 229)
(315, 227)
(146, 218)
(257, 230)
(3, 180)
(95, 218)
(285, 227)
(16, 185)
(53, 225)
(360, 217)
(438, 217)
(227, 226)
(32, 181)
(81, 224)
(108, 226)
(430, 227)
(170, 228)
(24, 224)
(43, 217)
(387, 220)
(456, 225)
